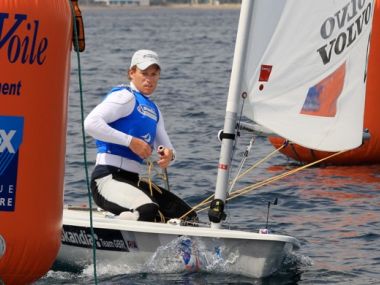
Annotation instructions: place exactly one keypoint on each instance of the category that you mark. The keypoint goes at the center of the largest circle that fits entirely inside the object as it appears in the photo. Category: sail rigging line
(278, 177)
(242, 162)
(261, 161)
(244, 95)
(148, 179)
(152, 186)
(164, 171)
(237, 129)
(207, 201)
(79, 48)
(255, 186)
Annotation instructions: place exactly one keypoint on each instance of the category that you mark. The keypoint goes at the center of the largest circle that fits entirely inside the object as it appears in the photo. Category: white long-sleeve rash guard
(116, 105)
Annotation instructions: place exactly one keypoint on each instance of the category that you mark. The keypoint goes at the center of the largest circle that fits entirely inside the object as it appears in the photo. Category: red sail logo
(321, 98)
(265, 72)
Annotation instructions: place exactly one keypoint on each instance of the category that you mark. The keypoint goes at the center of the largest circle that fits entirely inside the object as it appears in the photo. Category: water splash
(181, 259)
(186, 254)
(293, 259)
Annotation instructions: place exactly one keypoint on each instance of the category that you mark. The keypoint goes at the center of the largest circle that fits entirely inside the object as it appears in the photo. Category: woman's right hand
(140, 147)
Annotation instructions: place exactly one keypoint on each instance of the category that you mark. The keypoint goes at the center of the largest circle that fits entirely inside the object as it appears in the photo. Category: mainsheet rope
(153, 186)
(208, 199)
(255, 186)
(278, 177)
(76, 45)
(148, 179)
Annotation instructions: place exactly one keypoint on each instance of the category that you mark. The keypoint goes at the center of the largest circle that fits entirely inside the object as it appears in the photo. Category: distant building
(124, 2)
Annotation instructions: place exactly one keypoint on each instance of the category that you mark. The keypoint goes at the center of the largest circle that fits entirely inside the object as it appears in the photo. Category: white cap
(144, 58)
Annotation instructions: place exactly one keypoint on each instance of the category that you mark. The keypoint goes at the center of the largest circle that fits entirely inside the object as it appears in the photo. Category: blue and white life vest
(141, 123)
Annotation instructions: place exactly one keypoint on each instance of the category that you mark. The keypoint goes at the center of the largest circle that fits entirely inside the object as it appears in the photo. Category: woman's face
(145, 80)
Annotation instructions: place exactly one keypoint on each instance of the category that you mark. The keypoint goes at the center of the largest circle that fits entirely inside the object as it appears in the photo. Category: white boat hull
(135, 244)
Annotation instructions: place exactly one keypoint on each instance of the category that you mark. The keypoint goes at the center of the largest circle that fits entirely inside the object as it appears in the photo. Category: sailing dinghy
(280, 90)
(135, 243)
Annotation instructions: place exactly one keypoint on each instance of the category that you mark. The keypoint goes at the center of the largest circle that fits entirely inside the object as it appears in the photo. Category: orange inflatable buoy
(35, 45)
(369, 151)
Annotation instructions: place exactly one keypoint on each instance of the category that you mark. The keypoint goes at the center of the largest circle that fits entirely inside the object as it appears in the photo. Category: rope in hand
(148, 179)
(152, 186)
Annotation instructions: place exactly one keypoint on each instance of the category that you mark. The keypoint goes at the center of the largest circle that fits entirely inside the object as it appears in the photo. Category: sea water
(333, 211)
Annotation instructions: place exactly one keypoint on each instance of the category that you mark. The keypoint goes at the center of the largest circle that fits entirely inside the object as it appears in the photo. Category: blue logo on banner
(11, 130)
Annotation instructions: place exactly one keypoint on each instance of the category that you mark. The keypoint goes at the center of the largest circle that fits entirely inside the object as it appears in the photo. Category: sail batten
(306, 80)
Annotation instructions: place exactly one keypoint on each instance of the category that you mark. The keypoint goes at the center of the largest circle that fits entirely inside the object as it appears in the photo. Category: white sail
(305, 70)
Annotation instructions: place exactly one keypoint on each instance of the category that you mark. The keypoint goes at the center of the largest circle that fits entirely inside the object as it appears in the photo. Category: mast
(216, 213)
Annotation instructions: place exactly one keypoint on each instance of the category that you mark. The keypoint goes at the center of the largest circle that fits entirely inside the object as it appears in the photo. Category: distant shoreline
(170, 6)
